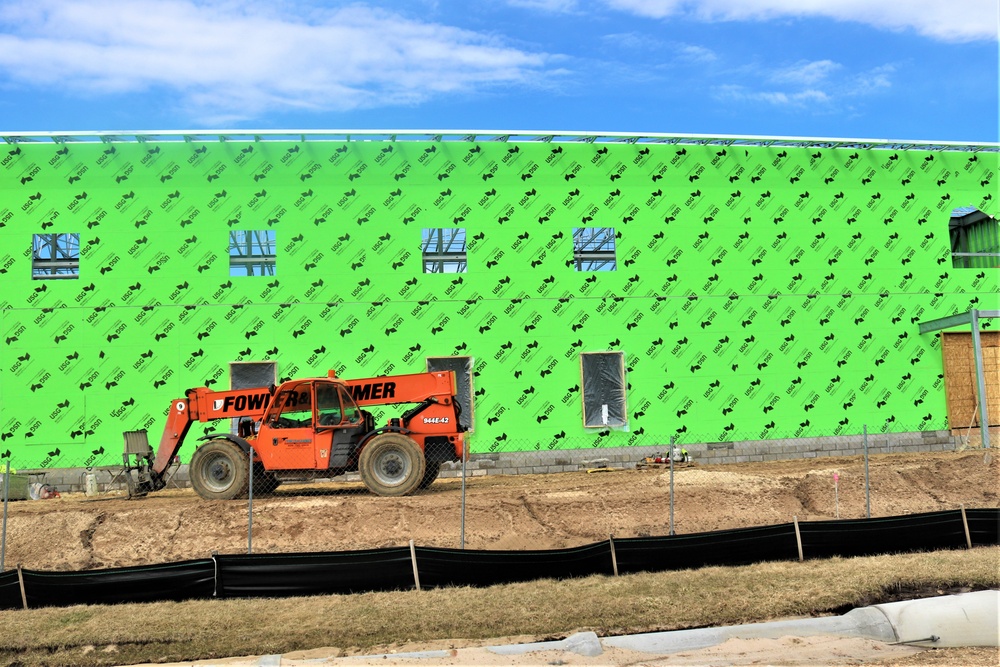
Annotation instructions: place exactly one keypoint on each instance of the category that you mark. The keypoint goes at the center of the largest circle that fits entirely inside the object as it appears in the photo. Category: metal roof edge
(13, 137)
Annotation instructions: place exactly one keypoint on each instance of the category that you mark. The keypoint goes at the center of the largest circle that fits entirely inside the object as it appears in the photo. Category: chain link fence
(504, 499)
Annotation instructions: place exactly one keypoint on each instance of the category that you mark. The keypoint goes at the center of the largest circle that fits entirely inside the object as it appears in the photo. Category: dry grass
(128, 634)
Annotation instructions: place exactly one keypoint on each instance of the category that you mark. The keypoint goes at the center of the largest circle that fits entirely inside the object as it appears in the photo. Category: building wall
(762, 292)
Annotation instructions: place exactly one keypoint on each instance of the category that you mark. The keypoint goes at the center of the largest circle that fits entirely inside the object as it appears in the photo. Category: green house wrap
(591, 291)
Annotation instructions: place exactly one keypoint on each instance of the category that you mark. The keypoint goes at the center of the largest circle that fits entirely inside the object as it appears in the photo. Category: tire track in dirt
(919, 483)
(804, 492)
(521, 526)
(547, 529)
(87, 539)
(561, 532)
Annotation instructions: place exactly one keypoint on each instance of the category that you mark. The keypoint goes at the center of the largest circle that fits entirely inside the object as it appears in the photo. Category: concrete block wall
(709, 453)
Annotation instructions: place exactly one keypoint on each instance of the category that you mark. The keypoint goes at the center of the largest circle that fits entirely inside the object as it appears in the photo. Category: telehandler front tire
(431, 474)
(392, 464)
(264, 482)
(219, 471)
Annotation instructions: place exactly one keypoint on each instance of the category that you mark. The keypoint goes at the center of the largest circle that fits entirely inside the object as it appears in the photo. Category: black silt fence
(728, 547)
(883, 535)
(286, 575)
(457, 567)
(10, 590)
(984, 525)
(184, 580)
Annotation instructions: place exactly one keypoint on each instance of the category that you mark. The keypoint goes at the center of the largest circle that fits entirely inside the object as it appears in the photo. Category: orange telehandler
(316, 428)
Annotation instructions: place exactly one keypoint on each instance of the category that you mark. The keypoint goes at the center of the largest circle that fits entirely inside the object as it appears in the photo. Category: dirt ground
(76, 532)
(823, 651)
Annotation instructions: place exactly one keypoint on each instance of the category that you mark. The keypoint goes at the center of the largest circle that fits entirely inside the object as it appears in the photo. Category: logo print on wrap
(217, 404)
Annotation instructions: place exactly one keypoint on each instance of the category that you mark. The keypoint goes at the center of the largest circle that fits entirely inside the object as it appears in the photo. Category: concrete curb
(866, 622)
(582, 643)
(969, 619)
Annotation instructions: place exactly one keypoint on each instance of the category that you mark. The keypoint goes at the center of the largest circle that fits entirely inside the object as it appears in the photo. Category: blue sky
(882, 69)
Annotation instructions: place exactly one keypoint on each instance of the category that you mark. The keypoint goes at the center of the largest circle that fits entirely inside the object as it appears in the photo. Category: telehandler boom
(316, 427)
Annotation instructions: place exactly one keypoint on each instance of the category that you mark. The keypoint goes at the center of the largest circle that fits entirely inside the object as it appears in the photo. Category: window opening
(252, 253)
(55, 256)
(594, 248)
(975, 239)
(603, 379)
(462, 366)
(443, 250)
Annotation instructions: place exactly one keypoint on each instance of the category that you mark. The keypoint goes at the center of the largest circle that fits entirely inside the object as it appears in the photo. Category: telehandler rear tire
(392, 464)
(219, 471)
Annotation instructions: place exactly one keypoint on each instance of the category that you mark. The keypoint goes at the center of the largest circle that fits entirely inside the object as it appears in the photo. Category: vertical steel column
(977, 352)
(250, 505)
(868, 497)
(465, 457)
(670, 456)
(3, 531)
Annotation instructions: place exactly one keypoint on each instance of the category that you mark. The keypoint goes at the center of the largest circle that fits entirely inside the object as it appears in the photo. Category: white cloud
(951, 20)
(809, 98)
(875, 79)
(805, 73)
(632, 41)
(676, 53)
(691, 53)
(817, 86)
(237, 60)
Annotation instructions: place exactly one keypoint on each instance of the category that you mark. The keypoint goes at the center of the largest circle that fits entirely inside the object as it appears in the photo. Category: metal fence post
(3, 531)
(868, 498)
(250, 505)
(465, 457)
(670, 456)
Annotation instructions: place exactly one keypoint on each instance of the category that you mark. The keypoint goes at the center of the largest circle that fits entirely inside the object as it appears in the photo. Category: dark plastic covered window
(603, 381)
